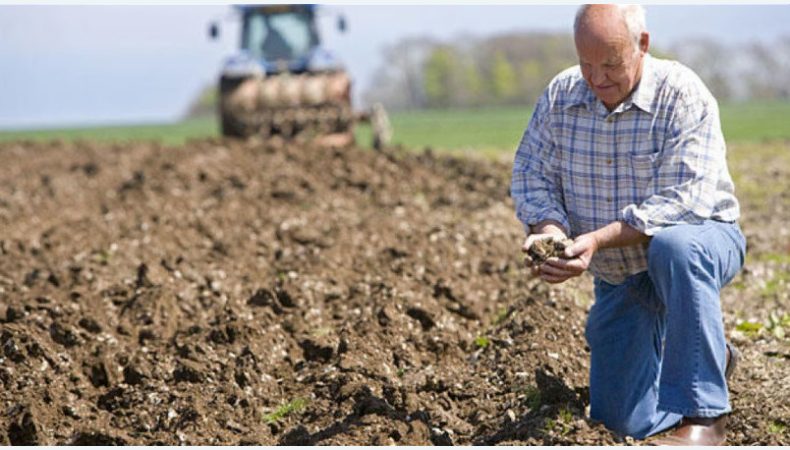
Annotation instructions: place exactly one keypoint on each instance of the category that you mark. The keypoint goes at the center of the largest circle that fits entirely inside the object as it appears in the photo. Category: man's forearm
(618, 234)
(548, 227)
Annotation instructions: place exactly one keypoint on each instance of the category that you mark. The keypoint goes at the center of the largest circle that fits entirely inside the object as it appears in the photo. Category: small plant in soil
(776, 325)
(294, 406)
(532, 397)
(749, 328)
(777, 427)
(562, 424)
(501, 315)
(482, 342)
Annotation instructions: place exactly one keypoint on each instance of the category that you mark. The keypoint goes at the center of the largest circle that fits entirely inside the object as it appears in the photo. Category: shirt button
(610, 119)
(609, 199)
(608, 161)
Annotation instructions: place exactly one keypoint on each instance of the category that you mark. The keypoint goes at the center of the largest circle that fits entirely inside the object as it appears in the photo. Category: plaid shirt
(657, 160)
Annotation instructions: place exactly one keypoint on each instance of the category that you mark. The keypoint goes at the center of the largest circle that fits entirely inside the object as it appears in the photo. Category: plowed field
(249, 293)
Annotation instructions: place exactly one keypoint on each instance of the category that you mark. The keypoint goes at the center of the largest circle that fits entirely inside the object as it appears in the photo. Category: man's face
(608, 61)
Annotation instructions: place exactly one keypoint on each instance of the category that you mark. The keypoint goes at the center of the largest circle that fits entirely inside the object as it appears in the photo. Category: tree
(398, 83)
(472, 90)
(503, 79)
(441, 77)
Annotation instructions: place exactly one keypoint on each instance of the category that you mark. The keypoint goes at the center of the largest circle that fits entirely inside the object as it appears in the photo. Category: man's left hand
(557, 270)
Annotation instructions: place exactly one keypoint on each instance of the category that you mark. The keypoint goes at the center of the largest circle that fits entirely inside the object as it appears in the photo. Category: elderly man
(625, 154)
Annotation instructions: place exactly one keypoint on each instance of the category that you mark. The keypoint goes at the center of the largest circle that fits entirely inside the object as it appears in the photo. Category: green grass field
(482, 130)
(170, 134)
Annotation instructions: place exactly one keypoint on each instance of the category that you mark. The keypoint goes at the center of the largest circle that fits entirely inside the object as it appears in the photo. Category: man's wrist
(596, 239)
(618, 234)
(548, 226)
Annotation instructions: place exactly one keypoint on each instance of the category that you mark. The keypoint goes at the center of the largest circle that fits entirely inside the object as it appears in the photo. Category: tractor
(283, 82)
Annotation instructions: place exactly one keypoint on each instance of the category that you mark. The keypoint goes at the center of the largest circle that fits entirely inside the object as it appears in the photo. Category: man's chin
(610, 101)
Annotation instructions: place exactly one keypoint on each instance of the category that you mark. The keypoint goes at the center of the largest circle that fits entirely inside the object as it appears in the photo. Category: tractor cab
(282, 37)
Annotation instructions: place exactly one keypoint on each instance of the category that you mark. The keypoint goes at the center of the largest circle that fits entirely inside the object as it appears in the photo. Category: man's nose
(597, 76)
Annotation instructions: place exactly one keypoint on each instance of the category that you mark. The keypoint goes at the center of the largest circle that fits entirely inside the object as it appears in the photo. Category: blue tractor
(282, 81)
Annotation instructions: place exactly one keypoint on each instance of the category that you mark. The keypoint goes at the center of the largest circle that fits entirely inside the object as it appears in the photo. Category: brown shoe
(702, 430)
(696, 431)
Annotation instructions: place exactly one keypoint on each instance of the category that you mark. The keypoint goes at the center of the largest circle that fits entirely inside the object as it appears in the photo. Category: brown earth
(247, 293)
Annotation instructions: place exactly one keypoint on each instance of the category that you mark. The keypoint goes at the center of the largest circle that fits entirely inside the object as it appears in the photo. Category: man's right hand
(542, 230)
(531, 238)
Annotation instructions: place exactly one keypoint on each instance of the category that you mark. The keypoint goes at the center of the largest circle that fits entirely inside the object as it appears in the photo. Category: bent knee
(672, 244)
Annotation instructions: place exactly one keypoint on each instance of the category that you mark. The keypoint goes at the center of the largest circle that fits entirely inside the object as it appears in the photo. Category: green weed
(501, 315)
(101, 257)
(482, 342)
(776, 285)
(566, 416)
(292, 407)
(778, 258)
(749, 328)
(776, 324)
(321, 331)
(562, 424)
(549, 425)
(533, 397)
(776, 427)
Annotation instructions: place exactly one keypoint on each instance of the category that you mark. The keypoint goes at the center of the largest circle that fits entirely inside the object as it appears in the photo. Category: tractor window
(282, 36)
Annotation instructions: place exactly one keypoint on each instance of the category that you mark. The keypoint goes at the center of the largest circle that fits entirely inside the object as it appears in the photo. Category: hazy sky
(80, 65)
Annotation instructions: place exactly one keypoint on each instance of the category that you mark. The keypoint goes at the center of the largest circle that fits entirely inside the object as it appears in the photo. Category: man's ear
(644, 42)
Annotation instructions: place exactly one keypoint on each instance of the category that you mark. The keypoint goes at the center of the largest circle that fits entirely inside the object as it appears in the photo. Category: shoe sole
(732, 361)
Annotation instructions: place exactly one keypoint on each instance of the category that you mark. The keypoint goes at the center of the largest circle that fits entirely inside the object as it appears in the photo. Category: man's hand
(531, 239)
(543, 230)
(557, 270)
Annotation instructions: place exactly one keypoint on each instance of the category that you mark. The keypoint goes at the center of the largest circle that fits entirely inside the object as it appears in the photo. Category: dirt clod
(543, 249)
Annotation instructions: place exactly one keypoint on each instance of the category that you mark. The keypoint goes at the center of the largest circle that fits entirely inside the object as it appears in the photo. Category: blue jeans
(657, 340)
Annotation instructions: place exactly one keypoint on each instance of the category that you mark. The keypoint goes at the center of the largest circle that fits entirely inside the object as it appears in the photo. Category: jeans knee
(671, 246)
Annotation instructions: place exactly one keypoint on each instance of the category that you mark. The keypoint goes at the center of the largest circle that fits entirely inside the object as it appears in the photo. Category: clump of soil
(543, 249)
(244, 293)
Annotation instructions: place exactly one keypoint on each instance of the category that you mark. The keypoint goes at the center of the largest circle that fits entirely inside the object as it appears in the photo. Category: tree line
(514, 68)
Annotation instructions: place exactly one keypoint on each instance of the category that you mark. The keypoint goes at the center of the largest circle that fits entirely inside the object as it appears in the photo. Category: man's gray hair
(634, 16)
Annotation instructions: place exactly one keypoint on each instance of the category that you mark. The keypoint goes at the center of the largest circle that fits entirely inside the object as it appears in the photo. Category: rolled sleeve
(684, 189)
(535, 186)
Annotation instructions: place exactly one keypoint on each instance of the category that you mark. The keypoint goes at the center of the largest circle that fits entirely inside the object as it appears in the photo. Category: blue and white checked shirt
(658, 159)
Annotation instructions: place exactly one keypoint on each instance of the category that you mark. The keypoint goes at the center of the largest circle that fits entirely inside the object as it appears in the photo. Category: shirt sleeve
(683, 190)
(535, 186)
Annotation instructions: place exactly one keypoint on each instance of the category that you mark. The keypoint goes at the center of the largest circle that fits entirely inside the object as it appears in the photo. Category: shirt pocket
(644, 168)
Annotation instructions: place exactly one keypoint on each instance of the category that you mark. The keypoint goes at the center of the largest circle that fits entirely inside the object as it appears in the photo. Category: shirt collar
(642, 97)
(645, 91)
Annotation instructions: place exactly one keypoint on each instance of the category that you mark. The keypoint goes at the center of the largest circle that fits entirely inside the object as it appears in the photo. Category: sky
(91, 65)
